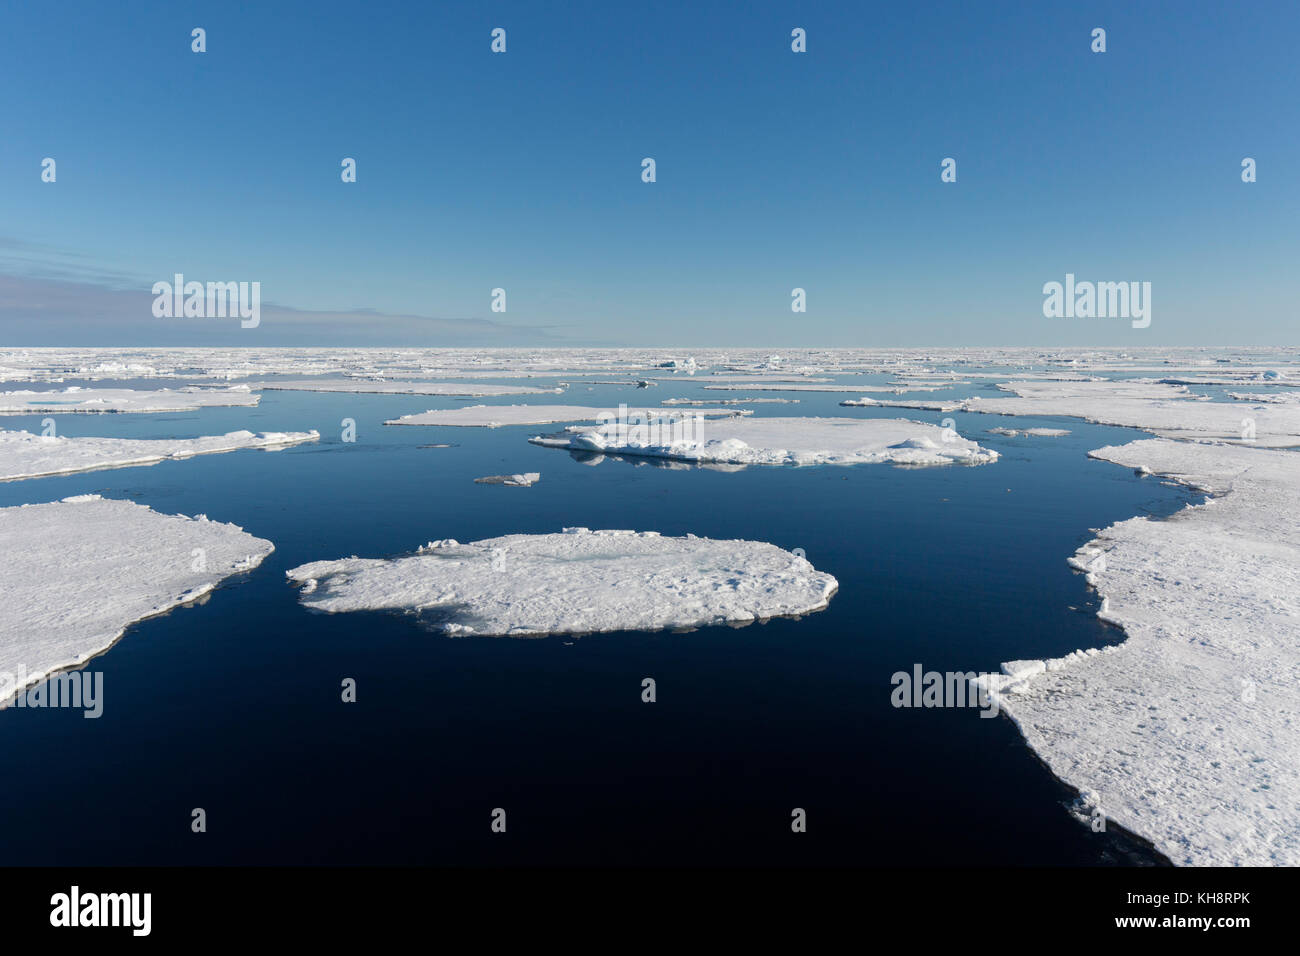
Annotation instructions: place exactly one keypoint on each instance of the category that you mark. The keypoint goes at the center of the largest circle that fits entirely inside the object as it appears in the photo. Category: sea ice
(576, 582)
(76, 399)
(779, 441)
(496, 416)
(1188, 731)
(1033, 432)
(1163, 409)
(382, 387)
(523, 480)
(78, 572)
(24, 455)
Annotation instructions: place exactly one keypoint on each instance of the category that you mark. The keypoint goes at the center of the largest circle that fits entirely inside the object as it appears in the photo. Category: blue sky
(774, 170)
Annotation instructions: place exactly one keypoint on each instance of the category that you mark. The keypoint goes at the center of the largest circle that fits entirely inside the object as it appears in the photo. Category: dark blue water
(234, 705)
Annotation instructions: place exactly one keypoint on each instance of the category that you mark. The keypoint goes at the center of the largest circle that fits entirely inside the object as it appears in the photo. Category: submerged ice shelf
(24, 455)
(575, 582)
(78, 572)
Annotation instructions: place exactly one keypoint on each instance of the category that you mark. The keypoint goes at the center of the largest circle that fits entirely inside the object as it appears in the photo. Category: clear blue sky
(775, 170)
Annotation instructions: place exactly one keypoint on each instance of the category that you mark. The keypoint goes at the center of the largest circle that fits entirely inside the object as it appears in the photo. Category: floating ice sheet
(76, 399)
(495, 416)
(384, 387)
(1188, 731)
(780, 441)
(78, 572)
(24, 455)
(576, 582)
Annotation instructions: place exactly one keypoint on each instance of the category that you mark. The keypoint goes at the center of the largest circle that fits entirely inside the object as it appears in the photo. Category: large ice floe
(78, 572)
(76, 399)
(778, 441)
(1188, 732)
(1164, 409)
(496, 416)
(575, 582)
(384, 387)
(24, 455)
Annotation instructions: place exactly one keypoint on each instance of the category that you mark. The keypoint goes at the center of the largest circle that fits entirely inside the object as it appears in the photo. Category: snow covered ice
(382, 387)
(1188, 731)
(24, 455)
(575, 582)
(76, 399)
(780, 441)
(496, 416)
(78, 572)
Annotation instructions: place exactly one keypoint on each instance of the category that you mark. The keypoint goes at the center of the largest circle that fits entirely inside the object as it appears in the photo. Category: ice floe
(1189, 730)
(778, 441)
(24, 455)
(576, 582)
(496, 416)
(383, 387)
(523, 480)
(77, 399)
(765, 387)
(78, 572)
(1031, 432)
(1162, 408)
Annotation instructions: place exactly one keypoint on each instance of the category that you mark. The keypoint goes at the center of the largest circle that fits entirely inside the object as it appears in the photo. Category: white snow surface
(781, 441)
(78, 572)
(77, 399)
(1166, 410)
(576, 582)
(24, 455)
(1188, 731)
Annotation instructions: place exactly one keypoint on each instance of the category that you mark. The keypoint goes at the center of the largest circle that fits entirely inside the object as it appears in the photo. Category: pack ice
(575, 582)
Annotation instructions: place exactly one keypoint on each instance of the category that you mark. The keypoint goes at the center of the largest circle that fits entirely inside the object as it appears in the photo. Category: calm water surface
(234, 705)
